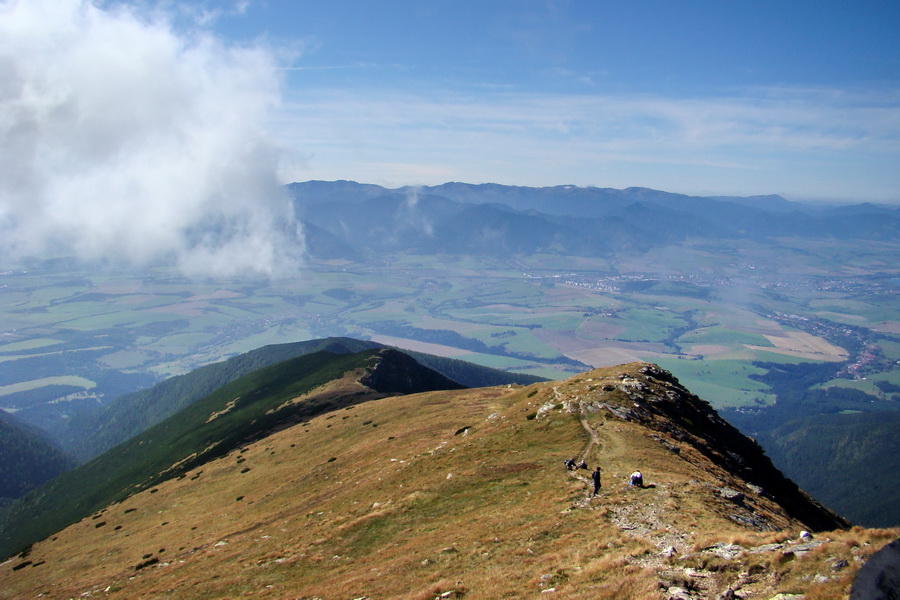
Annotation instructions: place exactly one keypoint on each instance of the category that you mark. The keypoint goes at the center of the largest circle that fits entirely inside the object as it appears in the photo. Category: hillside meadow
(443, 494)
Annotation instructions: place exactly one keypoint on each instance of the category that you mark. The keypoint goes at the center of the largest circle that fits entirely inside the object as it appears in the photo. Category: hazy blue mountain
(495, 230)
(499, 220)
(772, 203)
(866, 208)
(334, 191)
(385, 223)
(557, 200)
(324, 245)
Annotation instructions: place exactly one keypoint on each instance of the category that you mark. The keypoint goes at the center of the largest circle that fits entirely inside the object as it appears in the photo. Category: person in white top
(637, 480)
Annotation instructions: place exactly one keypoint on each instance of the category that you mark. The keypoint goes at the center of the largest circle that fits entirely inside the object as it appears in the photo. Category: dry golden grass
(396, 499)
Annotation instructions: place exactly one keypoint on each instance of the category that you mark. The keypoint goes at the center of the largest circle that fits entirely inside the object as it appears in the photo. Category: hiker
(570, 464)
(582, 464)
(637, 480)
(596, 477)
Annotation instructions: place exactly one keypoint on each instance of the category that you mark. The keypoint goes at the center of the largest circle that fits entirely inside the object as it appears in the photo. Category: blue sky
(705, 97)
(709, 97)
(140, 130)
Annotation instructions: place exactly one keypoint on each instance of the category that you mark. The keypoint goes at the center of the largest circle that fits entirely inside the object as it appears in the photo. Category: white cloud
(123, 139)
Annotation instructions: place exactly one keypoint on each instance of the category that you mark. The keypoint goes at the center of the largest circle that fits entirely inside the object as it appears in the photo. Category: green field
(25, 386)
(649, 324)
(550, 315)
(721, 382)
(33, 344)
(722, 335)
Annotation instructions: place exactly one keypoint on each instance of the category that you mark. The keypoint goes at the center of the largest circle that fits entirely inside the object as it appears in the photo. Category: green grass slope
(247, 409)
(90, 434)
(461, 494)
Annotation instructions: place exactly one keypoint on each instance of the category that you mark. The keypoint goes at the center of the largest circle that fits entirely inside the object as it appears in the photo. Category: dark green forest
(839, 444)
(847, 461)
(29, 458)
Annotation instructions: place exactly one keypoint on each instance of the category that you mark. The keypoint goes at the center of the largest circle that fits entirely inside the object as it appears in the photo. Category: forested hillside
(840, 444)
(27, 459)
(848, 462)
(92, 433)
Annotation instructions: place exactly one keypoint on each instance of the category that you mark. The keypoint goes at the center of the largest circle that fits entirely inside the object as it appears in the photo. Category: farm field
(706, 312)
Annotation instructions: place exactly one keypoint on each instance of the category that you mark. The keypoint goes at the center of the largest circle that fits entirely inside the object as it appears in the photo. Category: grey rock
(678, 593)
(766, 548)
(879, 578)
(726, 551)
(755, 489)
(801, 548)
(732, 495)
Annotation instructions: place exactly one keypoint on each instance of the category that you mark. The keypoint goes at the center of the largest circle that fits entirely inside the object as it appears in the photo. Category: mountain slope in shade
(847, 461)
(27, 458)
(463, 494)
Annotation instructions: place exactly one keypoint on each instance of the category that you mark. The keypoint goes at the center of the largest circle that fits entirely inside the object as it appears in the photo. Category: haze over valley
(730, 305)
(221, 223)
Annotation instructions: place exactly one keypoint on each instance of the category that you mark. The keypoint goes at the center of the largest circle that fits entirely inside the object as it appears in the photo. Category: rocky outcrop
(649, 395)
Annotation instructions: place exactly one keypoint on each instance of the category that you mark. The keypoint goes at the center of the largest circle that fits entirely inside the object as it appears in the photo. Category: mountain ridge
(245, 409)
(91, 433)
(596, 222)
(417, 495)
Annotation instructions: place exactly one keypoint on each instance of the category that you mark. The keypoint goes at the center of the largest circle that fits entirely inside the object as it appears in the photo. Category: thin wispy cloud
(330, 67)
(509, 134)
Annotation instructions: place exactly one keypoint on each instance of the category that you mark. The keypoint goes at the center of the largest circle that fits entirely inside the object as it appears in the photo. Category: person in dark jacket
(595, 476)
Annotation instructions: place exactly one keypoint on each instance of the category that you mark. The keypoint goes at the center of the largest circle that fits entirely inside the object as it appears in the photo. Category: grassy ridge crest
(246, 409)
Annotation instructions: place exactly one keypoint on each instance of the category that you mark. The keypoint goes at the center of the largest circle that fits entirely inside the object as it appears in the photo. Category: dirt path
(593, 441)
(603, 446)
(651, 514)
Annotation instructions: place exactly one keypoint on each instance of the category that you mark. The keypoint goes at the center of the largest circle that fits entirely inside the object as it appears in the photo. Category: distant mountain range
(346, 220)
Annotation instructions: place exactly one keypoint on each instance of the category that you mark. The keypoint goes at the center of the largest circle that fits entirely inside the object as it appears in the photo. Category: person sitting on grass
(637, 480)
